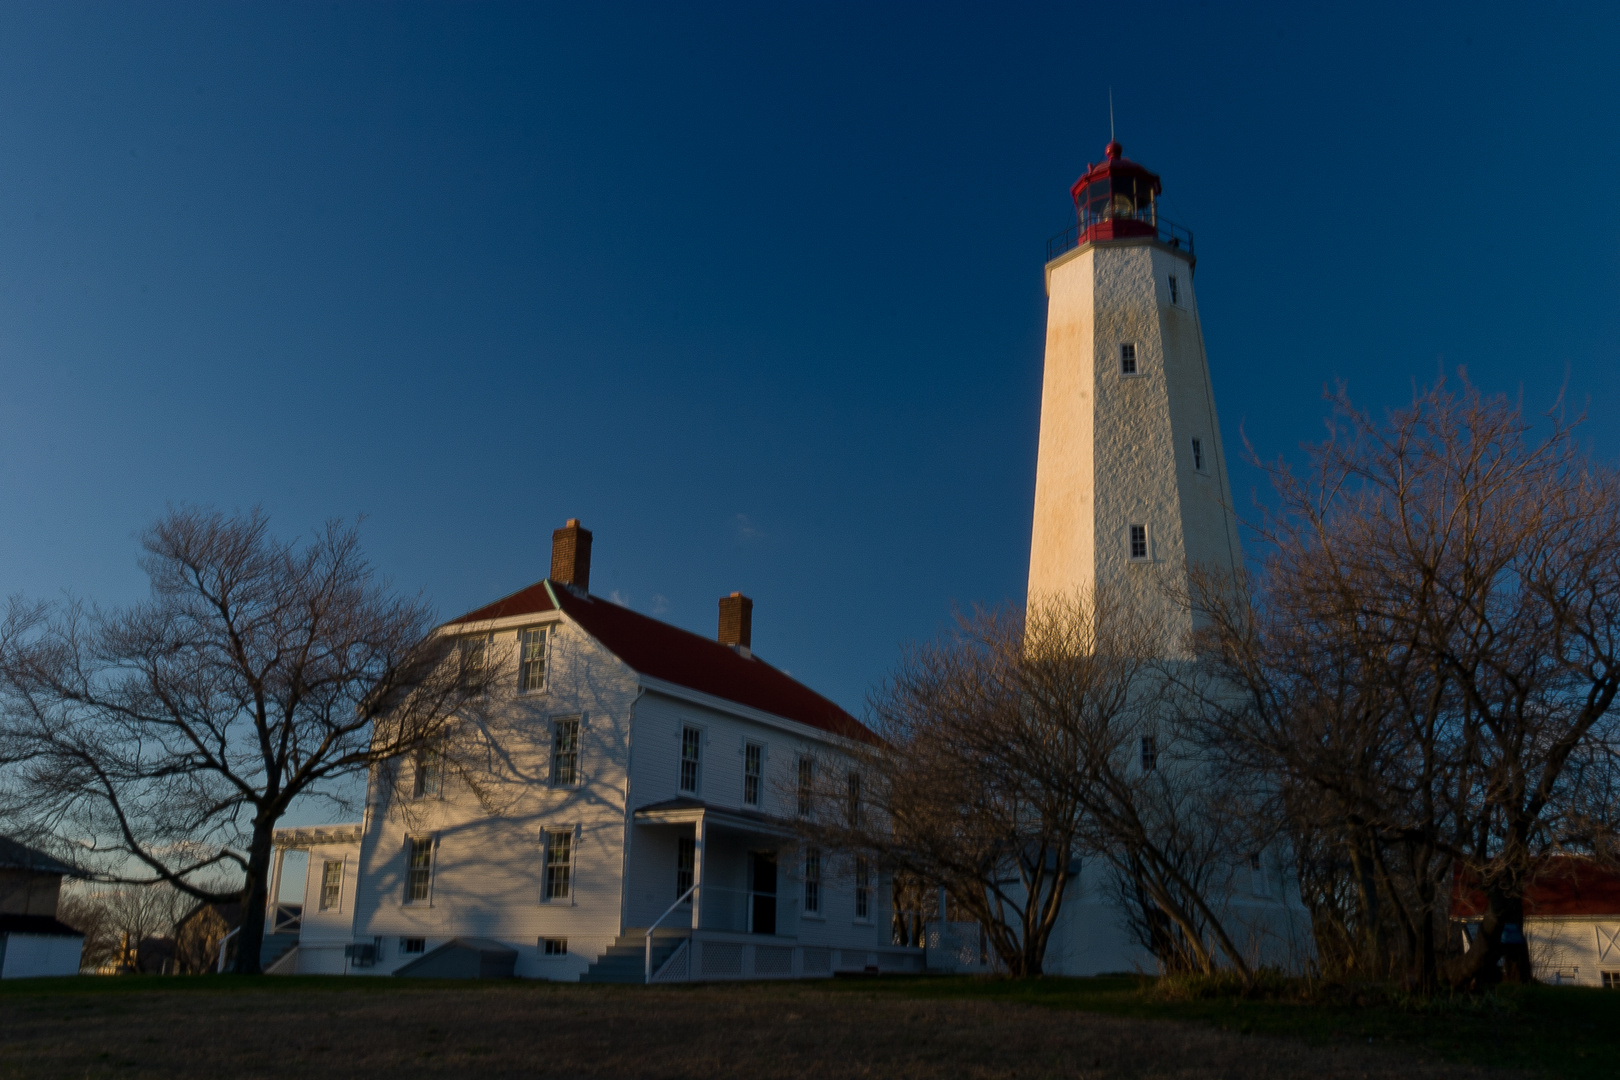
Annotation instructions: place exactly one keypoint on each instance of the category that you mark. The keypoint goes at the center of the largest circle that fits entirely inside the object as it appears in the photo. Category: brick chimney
(737, 622)
(571, 556)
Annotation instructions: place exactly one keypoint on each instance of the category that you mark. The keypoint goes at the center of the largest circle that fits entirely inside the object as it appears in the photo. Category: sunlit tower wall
(1130, 483)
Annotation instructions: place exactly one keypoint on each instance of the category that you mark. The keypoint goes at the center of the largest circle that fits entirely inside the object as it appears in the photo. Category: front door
(762, 898)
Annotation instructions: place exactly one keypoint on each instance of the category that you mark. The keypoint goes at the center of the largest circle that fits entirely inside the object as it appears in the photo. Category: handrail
(679, 900)
(222, 943)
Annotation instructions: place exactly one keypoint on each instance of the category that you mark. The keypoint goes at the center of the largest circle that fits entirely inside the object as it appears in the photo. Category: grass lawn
(946, 1027)
(1543, 1030)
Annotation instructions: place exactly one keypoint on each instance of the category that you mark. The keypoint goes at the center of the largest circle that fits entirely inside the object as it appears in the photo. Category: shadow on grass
(1553, 1031)
(1560, 1032)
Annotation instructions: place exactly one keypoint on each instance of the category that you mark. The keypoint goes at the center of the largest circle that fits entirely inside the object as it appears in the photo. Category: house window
(419, 875)
(1139, 543)
(532, 660)
(753, 772)
(863, 888)
(559, 855)
(1198, 454)
(1175, 290)
(412, 946)
(807, 785)
(685, 864)
(474, 651)
(691, 742)
(554, 946)
(812, 880)
(1611, 980)
(377, 944)
(1150, 753)
(429, 783)
(1259, 883)
(331, 885)
(852, 810)
(565, 752)
(1127, 359)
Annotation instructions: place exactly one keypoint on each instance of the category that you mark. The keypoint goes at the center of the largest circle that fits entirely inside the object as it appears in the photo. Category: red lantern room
(1115, 200)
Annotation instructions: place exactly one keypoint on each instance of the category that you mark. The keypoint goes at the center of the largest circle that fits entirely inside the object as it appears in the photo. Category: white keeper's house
(654, 784)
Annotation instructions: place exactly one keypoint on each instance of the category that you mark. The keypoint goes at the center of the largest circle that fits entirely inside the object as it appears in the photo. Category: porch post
(274, 892)
(697, 873)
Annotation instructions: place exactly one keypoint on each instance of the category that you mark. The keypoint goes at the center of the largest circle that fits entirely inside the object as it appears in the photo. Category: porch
(729, 905)
(708, 869)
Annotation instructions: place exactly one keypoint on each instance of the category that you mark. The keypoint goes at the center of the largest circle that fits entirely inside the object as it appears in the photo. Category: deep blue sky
(755, 291)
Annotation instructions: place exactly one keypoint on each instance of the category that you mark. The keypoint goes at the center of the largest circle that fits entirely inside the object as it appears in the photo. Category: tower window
(1127, 359)
(1198, 454)
(1175, 290)
(1139, 543)
(1150, 753)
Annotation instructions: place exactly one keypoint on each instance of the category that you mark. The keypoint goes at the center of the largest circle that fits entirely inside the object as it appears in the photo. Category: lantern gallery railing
(1166, 231)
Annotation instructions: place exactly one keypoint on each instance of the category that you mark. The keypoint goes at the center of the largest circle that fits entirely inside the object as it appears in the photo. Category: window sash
(565, 752)
(429, 780)
(862, 888)
(690, 753)
(1150, 753)
(753, 766)
(331, 884)
(812, 880)
(1127, 359)
(420, 876)
(807, 783)
(685, 864)
(532, 662)
(559, 863)
(1139, 542)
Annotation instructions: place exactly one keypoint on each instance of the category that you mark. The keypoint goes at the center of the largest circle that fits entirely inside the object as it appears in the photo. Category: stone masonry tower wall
(1117, 447)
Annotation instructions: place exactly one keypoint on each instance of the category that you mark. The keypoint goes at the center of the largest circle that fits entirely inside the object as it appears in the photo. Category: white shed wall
(28, 956)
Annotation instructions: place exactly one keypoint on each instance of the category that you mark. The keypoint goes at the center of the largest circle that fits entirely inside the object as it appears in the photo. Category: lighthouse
(1130, 483)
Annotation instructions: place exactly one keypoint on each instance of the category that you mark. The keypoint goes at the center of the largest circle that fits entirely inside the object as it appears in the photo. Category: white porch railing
(685, 896)
(744, 911)
(715, 956)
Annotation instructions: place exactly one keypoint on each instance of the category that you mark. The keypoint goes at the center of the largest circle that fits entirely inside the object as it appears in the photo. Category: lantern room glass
(1118, 198)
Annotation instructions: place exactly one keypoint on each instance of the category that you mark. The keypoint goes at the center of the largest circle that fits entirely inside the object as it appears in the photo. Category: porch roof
(299, 838)
(687, 811)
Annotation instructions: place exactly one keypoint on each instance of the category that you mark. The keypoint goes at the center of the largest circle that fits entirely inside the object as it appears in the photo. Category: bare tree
(117, 920)
(1095, 671)
(164, 741)
(1428, 666)
(1009, 748)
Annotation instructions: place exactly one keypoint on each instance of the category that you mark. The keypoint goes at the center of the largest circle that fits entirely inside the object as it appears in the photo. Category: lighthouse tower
(1130, 484)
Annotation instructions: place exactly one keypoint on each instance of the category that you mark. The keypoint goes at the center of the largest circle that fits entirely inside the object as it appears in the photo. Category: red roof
(666, 652)
(523, 602)
(1566, 886)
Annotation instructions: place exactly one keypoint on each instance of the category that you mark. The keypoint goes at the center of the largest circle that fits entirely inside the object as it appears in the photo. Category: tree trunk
(1500, 950)
(255, 895)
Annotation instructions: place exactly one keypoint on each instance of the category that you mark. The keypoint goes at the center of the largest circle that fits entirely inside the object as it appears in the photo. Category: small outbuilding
(32, 941)
(1571, 921)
